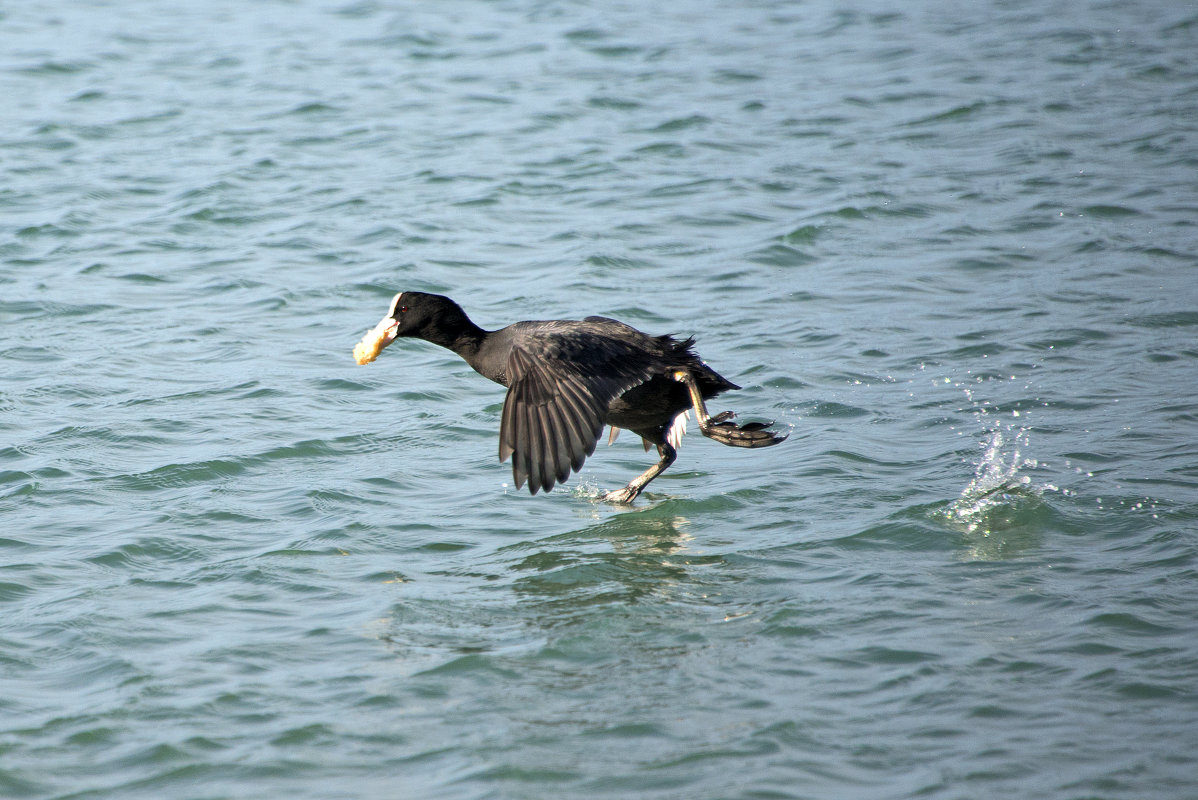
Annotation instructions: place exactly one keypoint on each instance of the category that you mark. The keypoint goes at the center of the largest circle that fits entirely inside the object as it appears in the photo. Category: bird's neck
(465, 339)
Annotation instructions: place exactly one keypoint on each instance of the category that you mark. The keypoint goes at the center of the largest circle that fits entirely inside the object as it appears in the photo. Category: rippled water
(950, 248)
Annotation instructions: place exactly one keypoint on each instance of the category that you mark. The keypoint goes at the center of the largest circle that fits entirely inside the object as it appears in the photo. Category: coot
(566, 379)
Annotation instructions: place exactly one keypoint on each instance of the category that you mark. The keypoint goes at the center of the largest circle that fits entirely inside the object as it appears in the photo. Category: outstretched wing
(560, 384)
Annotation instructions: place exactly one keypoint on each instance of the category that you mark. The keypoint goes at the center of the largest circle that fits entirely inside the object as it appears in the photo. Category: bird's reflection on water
(622, 559)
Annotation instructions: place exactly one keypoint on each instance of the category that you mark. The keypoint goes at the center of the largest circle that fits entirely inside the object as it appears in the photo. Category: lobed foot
(751, 434)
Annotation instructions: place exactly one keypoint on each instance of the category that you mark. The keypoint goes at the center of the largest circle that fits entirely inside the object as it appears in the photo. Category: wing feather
(556, 423)
(549, 446)
(534, 447)
(573, 431)
(520, 459)
(507, 426)
(539, 476)
(557, 402)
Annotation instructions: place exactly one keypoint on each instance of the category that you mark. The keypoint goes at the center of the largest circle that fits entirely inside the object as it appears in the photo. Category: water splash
(1001, 486)
(997, 480)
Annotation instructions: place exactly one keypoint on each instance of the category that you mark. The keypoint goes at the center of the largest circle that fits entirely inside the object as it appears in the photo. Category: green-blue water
(950, 248)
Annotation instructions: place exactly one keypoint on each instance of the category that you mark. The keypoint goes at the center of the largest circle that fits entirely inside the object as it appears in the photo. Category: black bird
(566, 379)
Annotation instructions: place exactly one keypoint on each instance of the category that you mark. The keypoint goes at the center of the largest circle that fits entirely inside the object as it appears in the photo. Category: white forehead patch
(394, 304)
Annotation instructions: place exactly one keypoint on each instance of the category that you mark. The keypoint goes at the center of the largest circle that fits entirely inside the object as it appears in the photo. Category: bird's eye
(403, 309)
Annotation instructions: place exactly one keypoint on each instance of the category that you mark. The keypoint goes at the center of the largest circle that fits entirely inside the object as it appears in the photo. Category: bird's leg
(634, 487)
(705, 420)
(754, 434)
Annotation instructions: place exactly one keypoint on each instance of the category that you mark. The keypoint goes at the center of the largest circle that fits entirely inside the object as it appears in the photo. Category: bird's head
(413, 314)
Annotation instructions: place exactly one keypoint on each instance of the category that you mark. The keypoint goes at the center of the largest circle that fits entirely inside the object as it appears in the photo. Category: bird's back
(595, 347)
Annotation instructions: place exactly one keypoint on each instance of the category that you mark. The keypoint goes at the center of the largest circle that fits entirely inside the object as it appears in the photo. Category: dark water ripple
(948, 248)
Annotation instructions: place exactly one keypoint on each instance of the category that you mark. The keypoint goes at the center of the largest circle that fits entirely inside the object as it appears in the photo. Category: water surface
(951, 250)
